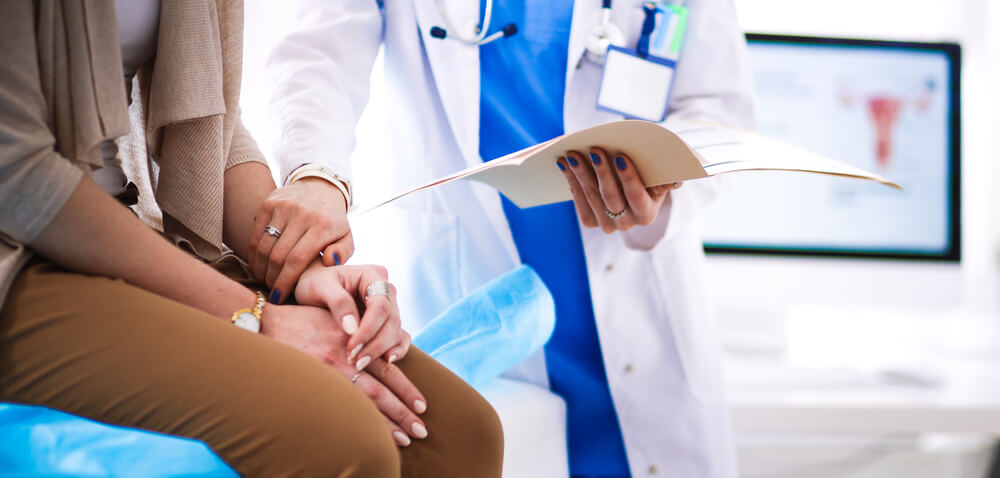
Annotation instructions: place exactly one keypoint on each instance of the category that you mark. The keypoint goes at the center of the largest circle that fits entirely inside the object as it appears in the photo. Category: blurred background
(861, 327)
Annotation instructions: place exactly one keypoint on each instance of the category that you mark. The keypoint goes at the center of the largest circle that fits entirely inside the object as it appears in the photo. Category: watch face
(247, 321)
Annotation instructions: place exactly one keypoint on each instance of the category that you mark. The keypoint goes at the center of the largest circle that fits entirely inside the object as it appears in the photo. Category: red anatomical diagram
(884, 111)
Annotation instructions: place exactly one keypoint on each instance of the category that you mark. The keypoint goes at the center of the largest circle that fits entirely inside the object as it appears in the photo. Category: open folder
(681, 150)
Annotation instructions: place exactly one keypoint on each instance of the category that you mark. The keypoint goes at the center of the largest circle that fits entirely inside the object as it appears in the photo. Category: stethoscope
(600, 37)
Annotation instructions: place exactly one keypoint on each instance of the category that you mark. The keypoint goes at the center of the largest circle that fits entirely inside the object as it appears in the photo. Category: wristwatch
(249, 318)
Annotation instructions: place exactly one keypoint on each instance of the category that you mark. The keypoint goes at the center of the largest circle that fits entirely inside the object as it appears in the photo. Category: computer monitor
(779, 242)
(888, 107)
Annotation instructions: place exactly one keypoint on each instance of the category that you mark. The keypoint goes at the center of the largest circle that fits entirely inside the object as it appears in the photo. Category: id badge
(636, 83)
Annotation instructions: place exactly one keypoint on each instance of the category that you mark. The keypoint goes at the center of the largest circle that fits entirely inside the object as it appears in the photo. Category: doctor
(635, 352)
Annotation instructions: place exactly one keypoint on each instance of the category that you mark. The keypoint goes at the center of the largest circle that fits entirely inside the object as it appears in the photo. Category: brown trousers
(105, 350)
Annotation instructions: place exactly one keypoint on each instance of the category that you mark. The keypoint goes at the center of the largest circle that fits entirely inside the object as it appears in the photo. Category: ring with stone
(273, 231)
(379, 287)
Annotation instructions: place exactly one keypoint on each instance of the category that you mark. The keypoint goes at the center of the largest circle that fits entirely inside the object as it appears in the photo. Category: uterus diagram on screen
(884, 108)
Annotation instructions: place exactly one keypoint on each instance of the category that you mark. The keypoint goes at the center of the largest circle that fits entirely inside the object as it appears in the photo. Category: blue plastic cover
(41, 442)
(493, 328)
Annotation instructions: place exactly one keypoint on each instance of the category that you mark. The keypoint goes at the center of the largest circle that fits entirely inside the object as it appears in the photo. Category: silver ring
(273, 231)
(379, 287)
(615, 215)
(354, 379)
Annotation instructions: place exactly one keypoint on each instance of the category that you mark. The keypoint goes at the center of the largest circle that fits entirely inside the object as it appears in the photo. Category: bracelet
(317, 170)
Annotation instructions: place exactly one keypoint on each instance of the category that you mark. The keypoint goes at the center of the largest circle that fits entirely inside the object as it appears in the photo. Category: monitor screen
(889, 107)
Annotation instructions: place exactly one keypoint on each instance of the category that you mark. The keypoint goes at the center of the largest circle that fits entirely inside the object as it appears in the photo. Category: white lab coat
(655, 327)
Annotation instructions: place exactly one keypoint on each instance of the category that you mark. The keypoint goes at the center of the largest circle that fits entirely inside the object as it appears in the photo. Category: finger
(609, 186)
(264, 246)
(398, 351)
(295, 263)
(260, 222)
(398, 435)
(380, 313)
(583, 208)
(339, 252)
(342, 307)
(289, 241)
(399, 384)
(385, 339)
(391, 406)
(641, 205)
(377, 308)
(591, 190)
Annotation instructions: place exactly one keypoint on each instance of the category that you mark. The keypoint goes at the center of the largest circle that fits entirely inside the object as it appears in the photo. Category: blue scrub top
(523, 84)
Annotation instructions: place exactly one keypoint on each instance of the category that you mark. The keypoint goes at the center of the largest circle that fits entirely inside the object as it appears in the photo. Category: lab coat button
(653, 470)
(609, 267)
(629, 368)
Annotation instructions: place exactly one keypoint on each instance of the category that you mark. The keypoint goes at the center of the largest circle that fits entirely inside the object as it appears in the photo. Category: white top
(138, 27)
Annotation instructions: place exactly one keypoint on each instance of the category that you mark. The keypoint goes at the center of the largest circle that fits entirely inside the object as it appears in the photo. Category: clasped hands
(360, 337)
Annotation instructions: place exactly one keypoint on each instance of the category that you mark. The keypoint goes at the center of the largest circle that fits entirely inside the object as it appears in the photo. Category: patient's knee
(474, 438)
(339, 439)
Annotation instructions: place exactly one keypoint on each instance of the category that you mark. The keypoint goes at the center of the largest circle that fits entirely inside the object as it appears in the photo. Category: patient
(101, 317)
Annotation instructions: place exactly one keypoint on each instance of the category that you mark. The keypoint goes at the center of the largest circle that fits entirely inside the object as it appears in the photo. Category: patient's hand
(313, 331)
(341, 290)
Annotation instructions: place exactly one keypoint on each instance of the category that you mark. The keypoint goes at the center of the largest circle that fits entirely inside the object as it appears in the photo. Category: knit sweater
(61, 95)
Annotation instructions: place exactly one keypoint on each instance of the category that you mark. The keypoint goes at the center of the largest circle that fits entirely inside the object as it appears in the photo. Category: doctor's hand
(344, 292)
(312, 330)
(608, 192)
(293, 225)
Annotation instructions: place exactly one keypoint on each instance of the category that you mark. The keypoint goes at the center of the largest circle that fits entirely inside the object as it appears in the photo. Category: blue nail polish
(620, 162)
(561, 167)
(275, 296)
(336, 259)
(572, 161)
(595, 158)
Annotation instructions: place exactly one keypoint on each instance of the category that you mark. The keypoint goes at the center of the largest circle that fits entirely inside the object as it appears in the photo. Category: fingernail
(419, 431)
(620, 162)
(350, 358)
(392, 358)
(401, 438)
(572, 161)
(336, 259)
(419, 406)
(561, 167)
(363, 362)
(595, 158)
(275, 296)
(350, 323)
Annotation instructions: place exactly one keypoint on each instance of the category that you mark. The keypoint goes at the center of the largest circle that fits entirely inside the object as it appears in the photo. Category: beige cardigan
(62, 94)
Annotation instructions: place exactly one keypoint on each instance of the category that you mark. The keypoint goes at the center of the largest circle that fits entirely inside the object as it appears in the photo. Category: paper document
(682, 150)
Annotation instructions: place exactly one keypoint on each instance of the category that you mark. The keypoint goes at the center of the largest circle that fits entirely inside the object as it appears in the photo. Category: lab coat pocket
(420, 250)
